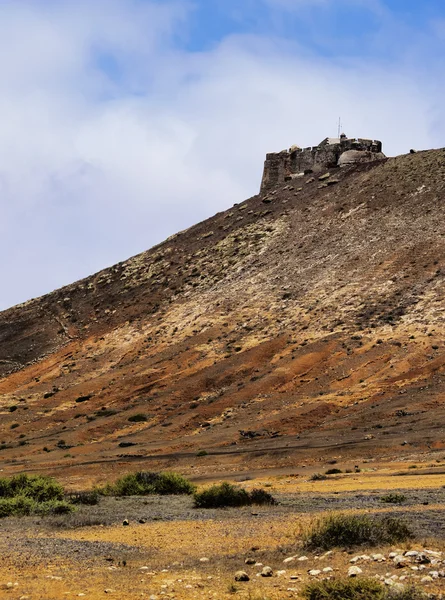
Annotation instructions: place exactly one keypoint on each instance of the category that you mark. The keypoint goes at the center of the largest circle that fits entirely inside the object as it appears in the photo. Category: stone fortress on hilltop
(331, 152)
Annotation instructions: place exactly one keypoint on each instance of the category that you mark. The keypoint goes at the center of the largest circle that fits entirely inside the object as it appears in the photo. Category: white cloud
(96, 168)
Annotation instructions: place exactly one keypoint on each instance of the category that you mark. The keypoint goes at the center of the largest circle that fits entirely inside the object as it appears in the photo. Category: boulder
(241, 576)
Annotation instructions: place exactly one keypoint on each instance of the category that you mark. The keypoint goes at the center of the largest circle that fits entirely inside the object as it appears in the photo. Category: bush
(202, 453)
(344, 589)
(226, 494)
(355, 530)
(36, 487)
(357, 589)
(139, 418)
(318, 477)
(89, 498)
(20, 506)
(333, 471)
(260, 496)
(221, 495)
(145, 483)
(393, 498)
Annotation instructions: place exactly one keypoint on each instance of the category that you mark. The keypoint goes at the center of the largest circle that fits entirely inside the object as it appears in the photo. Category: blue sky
(124, 121)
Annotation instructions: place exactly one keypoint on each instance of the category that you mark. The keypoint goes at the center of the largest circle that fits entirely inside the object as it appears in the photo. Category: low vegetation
(23, 494)
(226, 494)
(138, 418)
(393, 498)
(318, 477)
(88, 498)
(145, 483)
(340, 530)
(357, 589)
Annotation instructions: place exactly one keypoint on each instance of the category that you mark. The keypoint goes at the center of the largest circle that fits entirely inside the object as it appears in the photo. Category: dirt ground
(172, 550)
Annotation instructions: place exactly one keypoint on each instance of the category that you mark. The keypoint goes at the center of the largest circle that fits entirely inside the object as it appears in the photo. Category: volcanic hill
(303, 325)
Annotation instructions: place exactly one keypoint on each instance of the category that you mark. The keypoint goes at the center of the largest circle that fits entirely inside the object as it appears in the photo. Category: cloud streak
(113, 136)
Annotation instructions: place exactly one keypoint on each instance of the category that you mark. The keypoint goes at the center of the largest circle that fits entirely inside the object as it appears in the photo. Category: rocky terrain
(296, 327)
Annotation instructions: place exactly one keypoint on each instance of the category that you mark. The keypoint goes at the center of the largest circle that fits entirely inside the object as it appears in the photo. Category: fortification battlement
(331, 152)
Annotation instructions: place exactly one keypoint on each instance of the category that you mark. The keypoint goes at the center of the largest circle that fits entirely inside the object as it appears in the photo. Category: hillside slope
(296, 327)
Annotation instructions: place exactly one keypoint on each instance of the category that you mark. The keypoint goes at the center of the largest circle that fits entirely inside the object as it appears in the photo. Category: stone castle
(331, 152)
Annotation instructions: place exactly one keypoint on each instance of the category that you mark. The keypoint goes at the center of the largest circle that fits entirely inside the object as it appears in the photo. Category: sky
(125, 121)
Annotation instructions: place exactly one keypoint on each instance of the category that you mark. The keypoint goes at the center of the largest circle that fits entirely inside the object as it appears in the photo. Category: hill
(302, 326)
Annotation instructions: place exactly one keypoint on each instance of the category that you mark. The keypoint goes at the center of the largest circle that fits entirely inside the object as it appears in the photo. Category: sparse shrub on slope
(138, 418)
(342, 530)
(145, 483)
(226, 494)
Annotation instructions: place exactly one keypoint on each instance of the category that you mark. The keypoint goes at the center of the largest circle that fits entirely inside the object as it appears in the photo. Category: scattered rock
(314, 572)
(267, 572)
(289, 559)
(302, 558)
(378, 558)
(250, 561)
(204, 559)
(241, 576)
(354, 571)
(400, 562)
(125, 522)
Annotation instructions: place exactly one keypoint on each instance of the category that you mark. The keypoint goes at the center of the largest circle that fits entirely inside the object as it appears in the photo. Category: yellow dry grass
(353, 482)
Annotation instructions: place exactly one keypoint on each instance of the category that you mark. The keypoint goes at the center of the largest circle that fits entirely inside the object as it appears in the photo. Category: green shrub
(20, 506)
(409, 593)
(393, 498)
(226, 494)
(359, 588)
(145, 483)
(139, 418)
(260, 496)
(344, 589)
(36, 487)
(355, 530)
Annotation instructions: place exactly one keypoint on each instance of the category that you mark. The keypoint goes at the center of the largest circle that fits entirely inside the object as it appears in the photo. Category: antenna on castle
(339, 127)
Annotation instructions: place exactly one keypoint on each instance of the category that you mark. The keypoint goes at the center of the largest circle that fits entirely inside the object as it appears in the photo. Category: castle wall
(279, 166)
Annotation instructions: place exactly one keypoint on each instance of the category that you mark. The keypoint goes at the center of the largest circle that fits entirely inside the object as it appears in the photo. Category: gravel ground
(30, 537)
